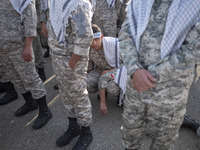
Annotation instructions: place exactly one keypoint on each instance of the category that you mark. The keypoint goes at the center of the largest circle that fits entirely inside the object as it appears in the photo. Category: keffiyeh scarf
(182, 16)
(111, 51)
(60, 11)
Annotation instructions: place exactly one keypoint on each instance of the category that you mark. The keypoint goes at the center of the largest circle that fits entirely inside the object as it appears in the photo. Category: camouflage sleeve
(81, 27)
(182, 61)
(43, 15)
(128, 51)
(118, 5)
(30, 20)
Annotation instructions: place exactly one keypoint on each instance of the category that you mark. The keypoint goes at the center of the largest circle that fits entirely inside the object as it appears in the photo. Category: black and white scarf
(183, 14)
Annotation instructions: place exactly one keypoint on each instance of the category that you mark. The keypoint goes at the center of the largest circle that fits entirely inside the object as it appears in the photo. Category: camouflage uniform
(22, 74)
(105, 78)
(37, 48)
(72, 84)
(159, 110)
(122, 13)
(106, 18)
(97, 64)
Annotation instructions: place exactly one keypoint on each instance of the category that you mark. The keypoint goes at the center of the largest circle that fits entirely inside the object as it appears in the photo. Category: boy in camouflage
(160, 68)
(98, 65)
(110, 56)
(19, 28)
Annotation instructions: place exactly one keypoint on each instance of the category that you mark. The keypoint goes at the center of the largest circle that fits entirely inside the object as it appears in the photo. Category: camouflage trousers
(37, 48)
(105, 78)
(73, 89)
(158, 112)
(22, 74)
(93, 78)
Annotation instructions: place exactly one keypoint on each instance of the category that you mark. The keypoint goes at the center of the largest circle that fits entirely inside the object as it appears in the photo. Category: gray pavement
(16, 133)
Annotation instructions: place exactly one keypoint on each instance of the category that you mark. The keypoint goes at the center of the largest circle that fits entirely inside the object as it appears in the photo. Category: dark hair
(95, 28)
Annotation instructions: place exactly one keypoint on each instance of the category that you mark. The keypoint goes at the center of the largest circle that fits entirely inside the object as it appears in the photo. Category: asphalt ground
(16, 133)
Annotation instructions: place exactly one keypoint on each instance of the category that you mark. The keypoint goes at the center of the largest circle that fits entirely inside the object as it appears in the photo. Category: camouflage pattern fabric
(72, 84)
(158, 111)
(106, 18)
(22, 74)
(97, 64)
(37, 47)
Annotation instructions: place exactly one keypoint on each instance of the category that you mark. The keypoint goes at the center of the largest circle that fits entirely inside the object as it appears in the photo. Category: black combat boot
(46, 54)
(2, 88)
(72, 131)
(84, 139)
(41, 74)
(11, 93)
(30, 105)
(191, 124)
(44, 113)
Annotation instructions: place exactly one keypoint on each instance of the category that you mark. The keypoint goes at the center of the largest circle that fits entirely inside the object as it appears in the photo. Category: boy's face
(96, 43)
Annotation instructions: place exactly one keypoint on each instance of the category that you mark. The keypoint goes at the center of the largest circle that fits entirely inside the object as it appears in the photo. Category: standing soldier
(18, 19)
(69, 38)
(105, 16)
(160, 68)
(37, 48)
(122, 13)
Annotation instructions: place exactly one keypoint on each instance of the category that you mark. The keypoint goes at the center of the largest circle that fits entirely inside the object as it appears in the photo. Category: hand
(72, 64)
(142, 80)
(44, 29)
(103, 108)
(27, 53)
(106, 71)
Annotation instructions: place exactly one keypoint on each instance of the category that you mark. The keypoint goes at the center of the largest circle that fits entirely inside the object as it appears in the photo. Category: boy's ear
(101, 36)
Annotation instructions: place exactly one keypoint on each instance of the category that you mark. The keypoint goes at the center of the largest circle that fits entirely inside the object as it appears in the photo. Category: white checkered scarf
(60, 11)
(20, 5)
(111, 51)
(182, 16)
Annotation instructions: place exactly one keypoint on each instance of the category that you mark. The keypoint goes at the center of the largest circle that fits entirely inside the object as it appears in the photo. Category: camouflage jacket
(176, 65)
(12, 29)
(78, 35)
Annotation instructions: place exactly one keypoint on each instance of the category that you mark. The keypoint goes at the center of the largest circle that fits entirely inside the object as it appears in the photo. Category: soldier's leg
(134, 117)
(165, 115)
(39, 59)
(73, 90)
(30, 85)
(92, 80)
(110, 26)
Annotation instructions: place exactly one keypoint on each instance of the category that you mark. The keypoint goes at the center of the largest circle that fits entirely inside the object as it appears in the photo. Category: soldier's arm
(183, 60)
(118, 5)
(128, 51)
(81, 28)
(29, 22)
